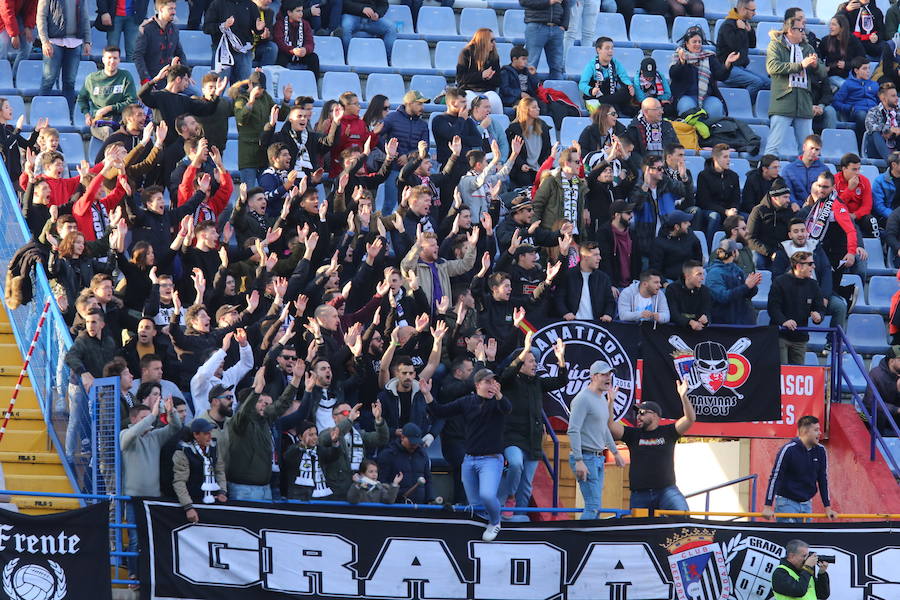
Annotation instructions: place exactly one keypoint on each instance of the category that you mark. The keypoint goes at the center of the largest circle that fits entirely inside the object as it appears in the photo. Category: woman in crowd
(488, 127)
(529, 126)
(694, 73)
(478, 69)
(604, 125)
(837, 49)
(379, 107)
(72, 270)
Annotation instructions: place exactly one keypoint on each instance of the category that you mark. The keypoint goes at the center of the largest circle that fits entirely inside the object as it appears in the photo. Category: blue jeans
(712, 105)
(827, 120)
(592, 487)
(518, 476)
(712, 223)
(243, 64)
(837, 308)
(786, 505)
(742, 77)
(24, 51)
(131, 561)
(65, 60)
(545, 38)
(266, 53)
(127, 26)
(351, 26)
(583, 21)
(778, 131)
(481, 478)
(667, 498)
(78, 428)
(249, 176)
(248, 493)
(836, 82)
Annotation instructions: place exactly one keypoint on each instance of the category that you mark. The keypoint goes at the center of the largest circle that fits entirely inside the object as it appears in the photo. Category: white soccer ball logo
(34, 582)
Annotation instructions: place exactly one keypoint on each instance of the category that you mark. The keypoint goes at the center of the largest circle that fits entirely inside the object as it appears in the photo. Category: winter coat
(717, 191)
(252, 434)
(636, 134)
(468, 75)
(356, 7)
(10, 10)
(548, 202)
(731, 38)
(524, 427)
(799, 178)
(884, 195)
(856, 94)
(245, 14)
(792, 298)
(730, 295)
(647, 210)
(408, 130)
(620, 97)
(136, 9)
(515, 129)
(89, 354)
(823, 273)
(568, 298)
(755, 189)
(768, 226)
(541, 11)
(155, 48)
(445, 268)
(397, 459)
(609, 262)
(687, 304)
(631, 304)
(873, 49)
(591, 139)
(885, 382)
(785, 100)
(418, 412)
(685, 78)
(830, 54)
(286, 44)
(510, 88)
(251, 119)
(670, 252)
(338, 473)
(382, 493)
(858, 199)
(352, 131)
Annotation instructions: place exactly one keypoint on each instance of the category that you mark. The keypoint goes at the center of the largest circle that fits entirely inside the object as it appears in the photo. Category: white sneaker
(490, 532)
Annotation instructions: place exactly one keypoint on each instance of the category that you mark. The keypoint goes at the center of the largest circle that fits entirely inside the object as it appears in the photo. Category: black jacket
(767, 227)
(356, 7)
(568, 295)
(444, 126)
(609, 262)
(733, 39)
(468, 75)
(591, 139)
(525, 424)
(669, 253)
(636, 134)
(717, 191)
(89, 355)
(688, 304)
(830, 52)
(794, 298)
(510, 89)
(244, 12)
(685, 79)
(783, 583)
(317, 145)
(396, 459)
(485, 421)
(541, 11)
(517, 176)
(755, 189)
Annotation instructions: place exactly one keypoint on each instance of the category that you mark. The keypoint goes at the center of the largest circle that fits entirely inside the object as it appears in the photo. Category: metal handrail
(753, 477)
(554, 472)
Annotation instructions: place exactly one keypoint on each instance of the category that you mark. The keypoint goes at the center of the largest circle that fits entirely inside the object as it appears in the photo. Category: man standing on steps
(652, 448)
(590, 436)
(800, 467)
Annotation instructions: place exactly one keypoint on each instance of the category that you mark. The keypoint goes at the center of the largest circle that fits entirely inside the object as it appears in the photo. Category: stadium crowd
(366, 285)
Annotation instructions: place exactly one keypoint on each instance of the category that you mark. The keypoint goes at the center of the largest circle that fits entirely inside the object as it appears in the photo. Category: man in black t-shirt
(652, 448)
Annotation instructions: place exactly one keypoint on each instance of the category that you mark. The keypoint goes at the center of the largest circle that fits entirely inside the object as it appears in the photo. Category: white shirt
(585, 310)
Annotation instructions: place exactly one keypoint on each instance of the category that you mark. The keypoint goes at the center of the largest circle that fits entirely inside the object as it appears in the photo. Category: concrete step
(45, 504)
(11, 368)
(37, 483)
(37, 469)
(29, 440)
(5, 328)
(27, 399)
(29, 458)
(22, 419)
(9, 353)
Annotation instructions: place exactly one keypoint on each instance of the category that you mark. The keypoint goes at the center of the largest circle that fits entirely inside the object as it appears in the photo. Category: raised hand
(559, 349)
(422, 322)
(518, 316)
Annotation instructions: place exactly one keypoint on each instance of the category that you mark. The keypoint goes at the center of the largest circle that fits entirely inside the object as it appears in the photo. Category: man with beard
(768, 223)
(881, 124)
(133, 121)
(367, 350)
(620, 255)
(652, 449)
(586, 293)
(150, 341)
(220, 411)
(674, 245)
(886, 375)
(735, 228)
(407, 125)
(212, 372)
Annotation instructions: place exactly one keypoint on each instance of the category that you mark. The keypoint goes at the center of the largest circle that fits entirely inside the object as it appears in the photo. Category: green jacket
(548, 202)
(787, 101)
(250, 439)
(251, 119)
(338, 473)
(101, 90)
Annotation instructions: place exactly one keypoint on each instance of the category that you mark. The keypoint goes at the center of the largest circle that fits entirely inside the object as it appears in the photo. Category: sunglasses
(345, 413)
(226, 397)
(643, 412)
(284, 357)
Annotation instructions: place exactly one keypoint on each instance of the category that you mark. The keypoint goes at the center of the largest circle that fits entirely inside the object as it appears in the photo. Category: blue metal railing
(752, 478)
(554, 468)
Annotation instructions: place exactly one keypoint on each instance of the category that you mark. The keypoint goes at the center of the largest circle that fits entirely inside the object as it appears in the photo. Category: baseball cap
(483, 374)
(520, 203)
(525, 249)
(648, 67)
(201, 426)
(413, 96)
(730, 245)
(219, 390)
(893, 352)
(470, 331)
(620, 206)
(413, 433)
(600, 367)
(676, 217)
(651, 406)
(779, 187)
(224, 310)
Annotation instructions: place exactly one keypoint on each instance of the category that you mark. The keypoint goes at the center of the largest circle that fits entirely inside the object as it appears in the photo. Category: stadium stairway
(856, 485)
(28, 459)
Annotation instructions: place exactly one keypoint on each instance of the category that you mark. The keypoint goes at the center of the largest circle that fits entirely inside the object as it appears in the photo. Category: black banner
(733, 373)
(275, 553)
(586, 342)
(56, 557)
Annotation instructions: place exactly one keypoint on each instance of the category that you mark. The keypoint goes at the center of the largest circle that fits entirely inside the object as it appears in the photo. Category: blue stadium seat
(501, 120)
(411, 55)
(870, 171)
(428, 85)
(856, 281)
(818, 339)
(570, 88)
(758, 64)
(717, 9)
(132, 68)
(682, 24)
(28, 77)
(335, 84)
(717, 237)
(703, 245)
(811, 359)
(762, 318)
(6, 78)
(85, 68)
(473, 19)
(783, 5)
(762, 296)
(649, 31)
(663, 60)
(549, 122)
(876, 263)
(229, 158)
(197, 47)
(762, 104)
(54, 108)
(630, 58)
(867, 333)
(857, 382)
(364, 54)
(881, 289)
(572, 128)
(825, 9)
(72, 147)
(98, 43)
(612, 25)
(389, 84)
(762, 34)
(819, 29)
(738, 102)
(446, 54)
(302, 82)
(763, 132)
(740, 166)
(513, 26)
(577, 57)
(837, 142)
(716, 27)
(331, 52)
(400, 13)
(437, 21)
(503, 50)
(694, 164)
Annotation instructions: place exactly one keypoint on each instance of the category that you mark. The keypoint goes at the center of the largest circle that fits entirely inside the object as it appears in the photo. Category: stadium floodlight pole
(24, 371)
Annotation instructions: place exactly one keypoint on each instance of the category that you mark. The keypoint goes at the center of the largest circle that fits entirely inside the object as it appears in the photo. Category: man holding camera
(795, 576)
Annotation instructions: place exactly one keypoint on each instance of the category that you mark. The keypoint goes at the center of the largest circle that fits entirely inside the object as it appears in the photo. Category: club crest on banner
(698, 565)
(585, 343)
(714, 373)
(32, 581)
(759, 558)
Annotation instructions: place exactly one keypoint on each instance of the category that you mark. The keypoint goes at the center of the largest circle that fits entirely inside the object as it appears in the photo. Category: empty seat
(857, 381)
(303, 83)
(197, 47)
(577, 57)
(649, 30)
(762, 34)
(85, 68)
(611, 25)
(740, 165)
(762, 104)
(703, 245)
(503, 50)
(694, 164)
(570, 89)
(335, 84)
(367, 52)
(28, 77)
(876, 264)
(229, 157)
(762, 318)
(72, 147)
(881, 289)
(6, 78)
(549, 122)
(473, 19)
(716, 27)
(513, 26)
(572, 127)
(436, 21)
(738, 102)
(838, 142)
(782, 5)
(411, 54)
(429, 86)
(330, 52)
(717, 9)
(446, 54)
(663, 59)
(682, 24)
(761, 299)
(758, 64)
(717, 237)
(870, 171)
(389, 84)
(54, 108)
(400, 17)
(132, 68)
(866, 333)
(631, 59)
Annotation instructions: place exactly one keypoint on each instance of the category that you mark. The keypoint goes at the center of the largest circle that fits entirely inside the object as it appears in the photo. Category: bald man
(649, 131)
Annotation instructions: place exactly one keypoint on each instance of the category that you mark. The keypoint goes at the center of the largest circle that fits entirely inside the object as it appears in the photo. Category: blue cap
(201, 426)
(413, 433)
(676, 217)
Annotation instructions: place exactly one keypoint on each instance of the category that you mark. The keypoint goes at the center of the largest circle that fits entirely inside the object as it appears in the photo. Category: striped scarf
(700, 60)
(651, 87)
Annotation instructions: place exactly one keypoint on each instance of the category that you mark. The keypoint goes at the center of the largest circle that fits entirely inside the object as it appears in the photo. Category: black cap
(779, 187)
(648, 67)
(219, 390)
(470, 331)
(413, 433)
(483, 374)
(893, 352)
(651, 406)
(620, 206)
(201, 426)
(525, 249)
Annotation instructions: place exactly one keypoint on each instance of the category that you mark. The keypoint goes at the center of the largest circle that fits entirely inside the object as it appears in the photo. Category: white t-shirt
(585, 310)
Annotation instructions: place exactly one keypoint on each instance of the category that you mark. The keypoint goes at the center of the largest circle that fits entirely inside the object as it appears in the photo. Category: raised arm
(685, 422)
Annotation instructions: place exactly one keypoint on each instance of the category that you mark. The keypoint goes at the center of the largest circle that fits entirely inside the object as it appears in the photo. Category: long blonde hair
(482, 48)
(536, 126)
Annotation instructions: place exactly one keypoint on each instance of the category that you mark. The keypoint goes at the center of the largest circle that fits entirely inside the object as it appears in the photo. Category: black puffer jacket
(768, 226)
(541, 11)
(718, 191)
(525, 424)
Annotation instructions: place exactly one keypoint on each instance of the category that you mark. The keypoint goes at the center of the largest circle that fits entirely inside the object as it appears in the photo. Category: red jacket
(10, 9)
(89, 208)
(215, 205)
(858, 200)
(352, 132)
(61, 189)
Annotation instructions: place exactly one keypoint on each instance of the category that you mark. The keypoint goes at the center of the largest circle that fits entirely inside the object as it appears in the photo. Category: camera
(826, 558)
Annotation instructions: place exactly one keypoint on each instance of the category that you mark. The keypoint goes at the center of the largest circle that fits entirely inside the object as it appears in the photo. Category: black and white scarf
(570, 200)
(228, 43)
(297, 43)
(653, 134)
(209, 484)
(311, 475)
(820, 216)
(607, 81)
(303, 162)
(799, 79)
